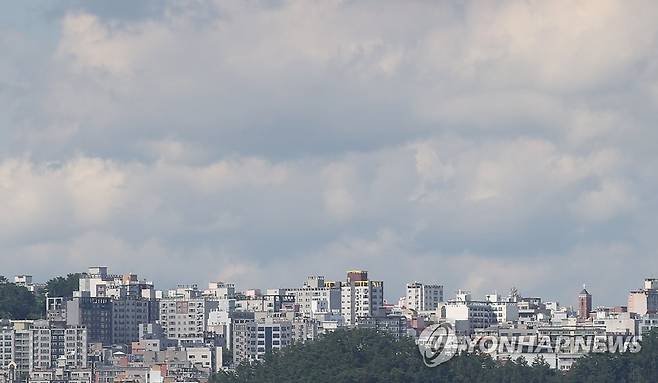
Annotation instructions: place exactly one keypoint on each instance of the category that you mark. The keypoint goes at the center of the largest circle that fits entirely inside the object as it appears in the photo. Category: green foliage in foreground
(362, 356)
(63, 287)
(17, 302)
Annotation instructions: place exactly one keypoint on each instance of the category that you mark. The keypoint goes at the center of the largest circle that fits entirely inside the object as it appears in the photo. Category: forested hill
(362, 356)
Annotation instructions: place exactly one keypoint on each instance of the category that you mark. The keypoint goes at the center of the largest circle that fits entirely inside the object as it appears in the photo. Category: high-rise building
(130, 302)
(50, 344)
(584, 304)
(252, 340)
(128, 314)
(6, 343)
(316, 289)
(361, 297)
(423, 297)
(95, 314)
(184, 314)
(22, 346)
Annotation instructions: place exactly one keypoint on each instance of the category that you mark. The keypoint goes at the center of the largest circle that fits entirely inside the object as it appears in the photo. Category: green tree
(16, 302)
(347, 356)
(63, 287)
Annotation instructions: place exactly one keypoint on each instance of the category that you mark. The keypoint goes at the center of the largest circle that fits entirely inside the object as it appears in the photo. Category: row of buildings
(119, 328)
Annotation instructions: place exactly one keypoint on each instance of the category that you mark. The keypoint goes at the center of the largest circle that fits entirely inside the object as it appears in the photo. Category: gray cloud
(482, 145)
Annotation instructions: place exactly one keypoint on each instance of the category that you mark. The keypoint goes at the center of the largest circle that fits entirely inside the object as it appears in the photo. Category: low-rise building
(644, 301)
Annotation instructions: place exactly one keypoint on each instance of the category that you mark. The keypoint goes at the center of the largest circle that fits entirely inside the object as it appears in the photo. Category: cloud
(605, 202)
(253, 139)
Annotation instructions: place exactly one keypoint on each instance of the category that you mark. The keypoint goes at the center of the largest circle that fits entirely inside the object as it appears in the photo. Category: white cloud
(610, 199)
(316, 136)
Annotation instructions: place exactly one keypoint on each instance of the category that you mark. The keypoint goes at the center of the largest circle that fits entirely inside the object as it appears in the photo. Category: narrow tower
(584, 304)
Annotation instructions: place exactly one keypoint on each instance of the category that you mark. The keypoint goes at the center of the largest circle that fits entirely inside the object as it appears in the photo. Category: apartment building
(275, 301)
(220, 290)
(252, 340)
(472, 314)
(184, 314)
(644, 301)
(361, 297)
(423, 297)
(317, 289)
(6, 343)
(22, 346)
(93, 313)
(53, 342)
(128, 313)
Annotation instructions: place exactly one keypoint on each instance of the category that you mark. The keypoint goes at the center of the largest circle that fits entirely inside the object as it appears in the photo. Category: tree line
(17, 302)
(365, 356)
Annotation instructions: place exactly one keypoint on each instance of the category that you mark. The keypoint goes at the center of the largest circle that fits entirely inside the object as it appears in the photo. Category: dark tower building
(584, 304)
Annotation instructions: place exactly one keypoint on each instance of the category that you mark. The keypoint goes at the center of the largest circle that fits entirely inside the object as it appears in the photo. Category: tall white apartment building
(6, 343)
(184, 314)
(252, 340)
(423, 297)
(644, 301)
(361, 297)
(49, 342)
(22, 346)
(327, 294)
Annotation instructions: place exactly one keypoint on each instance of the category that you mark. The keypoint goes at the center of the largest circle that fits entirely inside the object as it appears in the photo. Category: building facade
(423, 297)
(253, 340)
(184, 315)
(361, 297)
(644, 301)
(584, 304)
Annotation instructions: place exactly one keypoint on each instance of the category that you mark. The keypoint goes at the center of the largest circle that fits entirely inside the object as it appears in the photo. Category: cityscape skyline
(118, 324)
(389, 297)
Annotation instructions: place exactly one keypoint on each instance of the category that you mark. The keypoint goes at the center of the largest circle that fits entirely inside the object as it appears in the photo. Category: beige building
(645, 300)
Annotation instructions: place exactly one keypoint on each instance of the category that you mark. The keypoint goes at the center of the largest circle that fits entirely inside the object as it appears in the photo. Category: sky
(481, 145)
